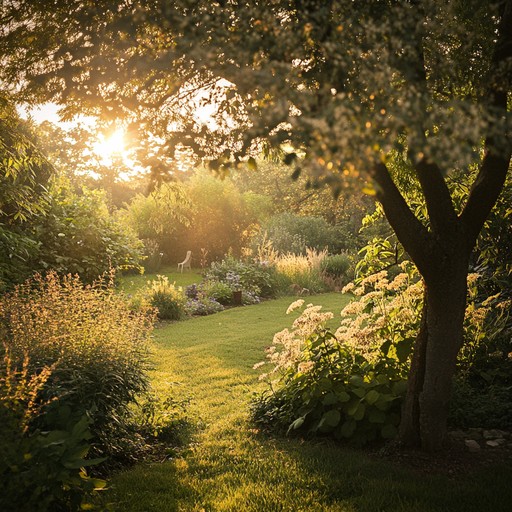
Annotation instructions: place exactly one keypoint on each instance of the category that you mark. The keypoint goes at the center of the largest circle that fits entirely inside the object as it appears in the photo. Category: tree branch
(413, 235)
(496, 162)
(441, 212)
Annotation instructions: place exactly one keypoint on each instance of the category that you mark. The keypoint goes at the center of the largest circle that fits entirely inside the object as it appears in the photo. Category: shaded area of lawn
(230, 467)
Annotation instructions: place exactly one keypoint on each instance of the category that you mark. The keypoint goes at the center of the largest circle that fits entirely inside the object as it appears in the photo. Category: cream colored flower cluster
(286, 349)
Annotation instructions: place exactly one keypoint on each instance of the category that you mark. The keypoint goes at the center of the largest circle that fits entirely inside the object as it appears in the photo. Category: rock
(472, 445)
(493, 443)
(493, 434)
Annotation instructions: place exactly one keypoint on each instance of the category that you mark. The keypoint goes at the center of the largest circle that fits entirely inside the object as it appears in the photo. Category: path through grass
(229, 467)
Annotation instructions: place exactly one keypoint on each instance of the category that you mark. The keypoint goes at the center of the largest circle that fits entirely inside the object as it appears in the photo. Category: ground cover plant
(229, 465)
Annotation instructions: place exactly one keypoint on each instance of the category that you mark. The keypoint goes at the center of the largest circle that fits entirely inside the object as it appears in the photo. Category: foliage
(258, 278)
(24, 171)
(293, 233)
(168, 299)
(298, 274)
(219, 291)
(200, 213)
(337, 267)
(157, 217)
(235, 468)
(203, 305)
(336, 87)
(96, 347)
(324, 379)
(327, 387)
(41, 469)
(472, 406)
(79, 235)
(17, 251)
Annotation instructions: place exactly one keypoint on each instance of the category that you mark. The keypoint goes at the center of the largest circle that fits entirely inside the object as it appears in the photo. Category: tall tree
(345, 82)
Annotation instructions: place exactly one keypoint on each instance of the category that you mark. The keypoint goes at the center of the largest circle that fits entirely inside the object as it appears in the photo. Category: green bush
(328, 388)
(336, 265)
(478, 406)
(41, 469)
(218, 291)
(168, 299)
(78, 235)
(258, 278)
(201, 306)
(96, 347)
(293, 233)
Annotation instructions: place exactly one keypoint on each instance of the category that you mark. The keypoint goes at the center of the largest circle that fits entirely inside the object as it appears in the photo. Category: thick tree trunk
(440, 338)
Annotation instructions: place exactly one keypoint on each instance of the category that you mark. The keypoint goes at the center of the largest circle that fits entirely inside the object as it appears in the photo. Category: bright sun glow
(111, 146)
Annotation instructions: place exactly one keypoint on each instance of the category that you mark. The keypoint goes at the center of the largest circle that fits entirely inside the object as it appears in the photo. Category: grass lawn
(230, 467)
(132, 283)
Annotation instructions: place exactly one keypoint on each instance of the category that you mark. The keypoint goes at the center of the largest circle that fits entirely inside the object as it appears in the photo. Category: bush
(327, 387)
(339, 384)
(218, 291)
(168, 299)
(202, 306)
(336, 265)
(97, 350)
(258, 278)
(40, 470)
(78, 235)
(293, 233)
(476, 406)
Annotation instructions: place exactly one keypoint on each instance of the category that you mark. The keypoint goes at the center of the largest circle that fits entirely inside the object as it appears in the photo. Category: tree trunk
(425, 411)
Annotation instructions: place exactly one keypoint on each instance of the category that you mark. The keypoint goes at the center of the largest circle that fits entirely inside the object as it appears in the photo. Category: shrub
(259, 278)
(40, 470)
(295, 233)
(96, 346)
(202, 306)
(168, 299)
(327, 387)
(219, 291)
(336, 265)
(78, 235)
(339, 384)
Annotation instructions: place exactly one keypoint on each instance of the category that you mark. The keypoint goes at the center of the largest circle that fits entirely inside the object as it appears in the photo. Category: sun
(110, 146)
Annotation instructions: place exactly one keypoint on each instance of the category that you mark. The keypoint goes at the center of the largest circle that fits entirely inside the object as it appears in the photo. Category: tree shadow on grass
(364, 481)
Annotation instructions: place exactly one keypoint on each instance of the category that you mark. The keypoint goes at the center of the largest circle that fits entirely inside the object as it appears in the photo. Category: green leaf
(325, 384)
(296, 424)
(372, 396)
(330, 418)
(343, 396)
(330, 399)
(359, 413)
(356, 380)
(403, 349)
(399, 387)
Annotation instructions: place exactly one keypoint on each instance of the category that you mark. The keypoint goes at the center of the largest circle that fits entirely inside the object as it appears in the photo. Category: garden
(255, 257)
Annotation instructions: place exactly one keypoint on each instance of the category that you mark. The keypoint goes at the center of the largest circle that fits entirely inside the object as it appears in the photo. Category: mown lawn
(229, 466)
(132, 283)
